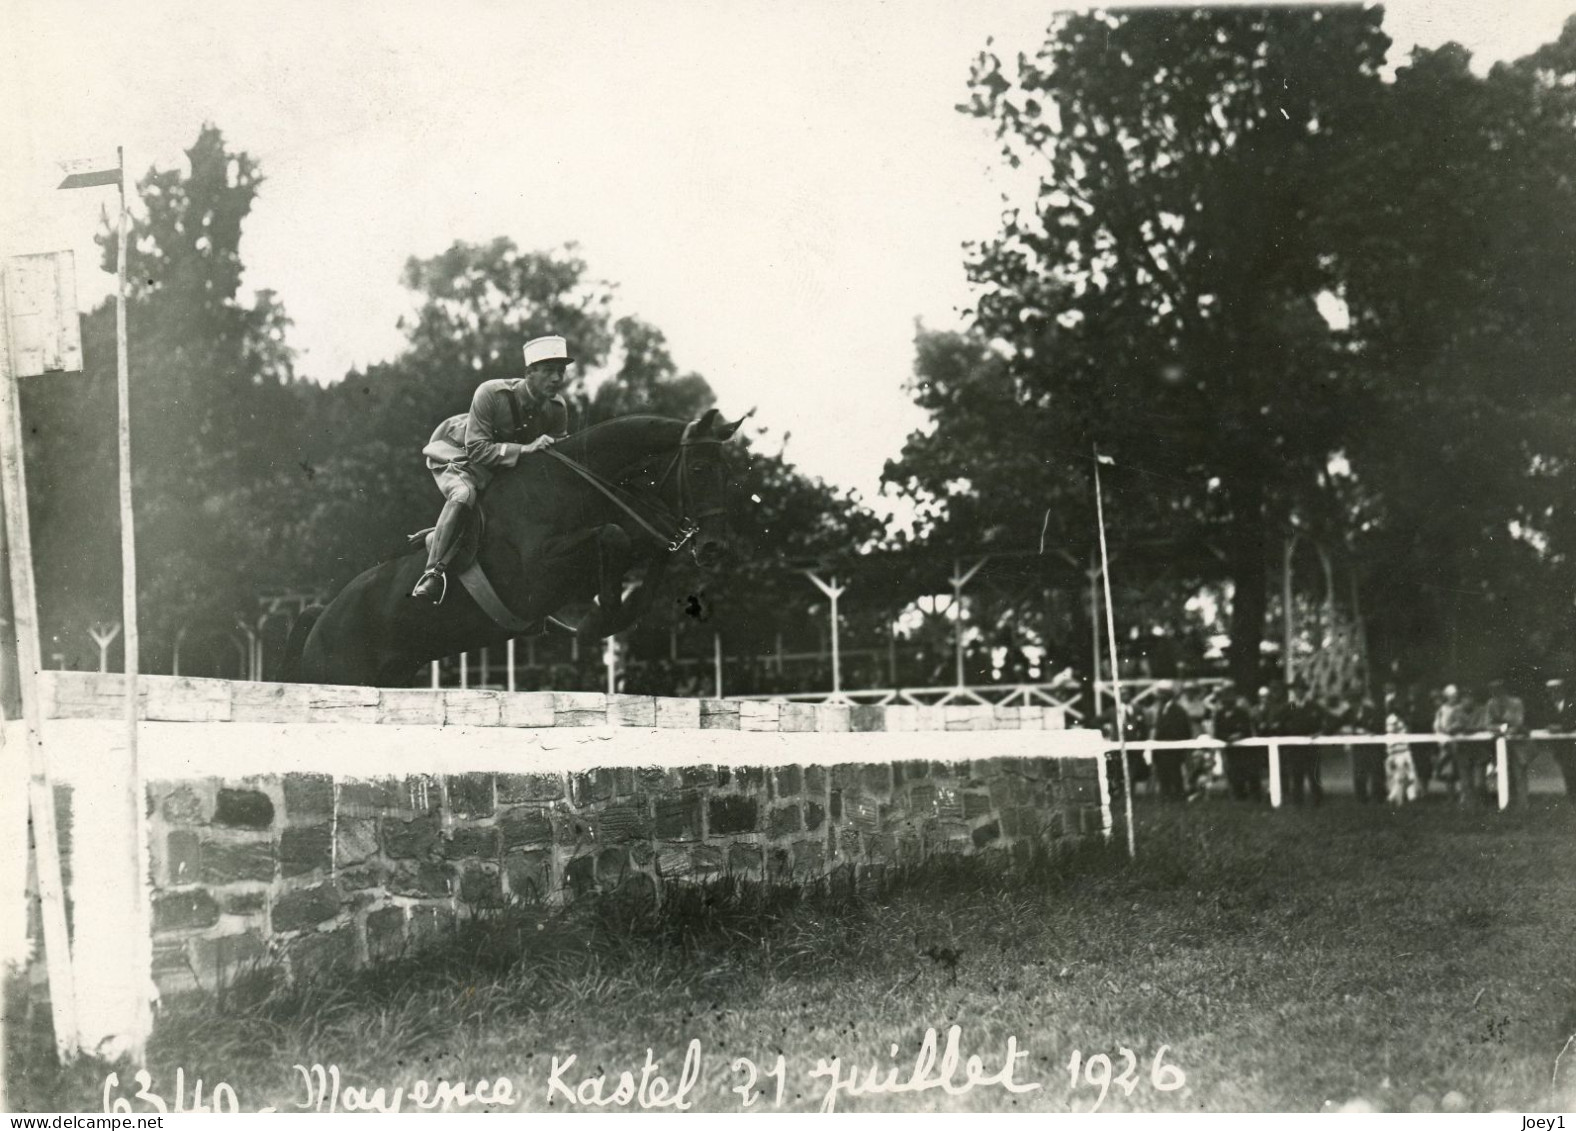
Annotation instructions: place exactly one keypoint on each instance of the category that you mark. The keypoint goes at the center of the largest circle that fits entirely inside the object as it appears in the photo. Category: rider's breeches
(460, 495)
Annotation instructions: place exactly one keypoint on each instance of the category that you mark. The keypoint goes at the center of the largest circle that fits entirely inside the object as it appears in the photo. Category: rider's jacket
(504, 417)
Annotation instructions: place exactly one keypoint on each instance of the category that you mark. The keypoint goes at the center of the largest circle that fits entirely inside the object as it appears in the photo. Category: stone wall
(308, 825)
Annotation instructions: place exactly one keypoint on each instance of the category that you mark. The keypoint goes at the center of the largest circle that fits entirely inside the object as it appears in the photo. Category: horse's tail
(295, 643)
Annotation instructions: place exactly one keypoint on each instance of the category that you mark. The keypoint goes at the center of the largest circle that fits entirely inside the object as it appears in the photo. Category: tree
(1214, 184)
(646, 379)
(1460, 312)
(1158, 299)
(213, 407)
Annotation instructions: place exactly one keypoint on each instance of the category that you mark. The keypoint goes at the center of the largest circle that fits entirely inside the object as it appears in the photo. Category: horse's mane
(591, 432)
(585, 445)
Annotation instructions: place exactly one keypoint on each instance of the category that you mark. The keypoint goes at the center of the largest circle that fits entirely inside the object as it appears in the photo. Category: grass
(1289, 961)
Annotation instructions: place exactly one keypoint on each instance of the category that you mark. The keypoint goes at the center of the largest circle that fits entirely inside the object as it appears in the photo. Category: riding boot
(434, 583)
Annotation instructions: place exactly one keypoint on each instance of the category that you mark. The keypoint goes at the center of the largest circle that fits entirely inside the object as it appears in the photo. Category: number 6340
(1097, 1072)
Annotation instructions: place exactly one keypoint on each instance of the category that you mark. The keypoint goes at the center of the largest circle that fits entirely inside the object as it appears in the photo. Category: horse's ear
(727, 431)
(708, 421)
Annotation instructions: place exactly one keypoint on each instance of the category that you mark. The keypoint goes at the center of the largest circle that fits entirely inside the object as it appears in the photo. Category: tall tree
(1157, 297)
(1212, 182)
(1461, 314)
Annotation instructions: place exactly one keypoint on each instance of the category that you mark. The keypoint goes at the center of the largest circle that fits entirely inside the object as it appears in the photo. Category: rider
(508, 418)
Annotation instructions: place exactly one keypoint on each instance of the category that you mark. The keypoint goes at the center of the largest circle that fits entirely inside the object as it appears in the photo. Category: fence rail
(1063, 696)
(1274, 743)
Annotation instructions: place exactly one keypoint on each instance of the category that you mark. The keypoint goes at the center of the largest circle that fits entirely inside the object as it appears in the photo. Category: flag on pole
(90, 171)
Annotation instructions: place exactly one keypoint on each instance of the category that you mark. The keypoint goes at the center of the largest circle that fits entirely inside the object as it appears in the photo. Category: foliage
(1214, 185)
(213, 405)
(248, 481)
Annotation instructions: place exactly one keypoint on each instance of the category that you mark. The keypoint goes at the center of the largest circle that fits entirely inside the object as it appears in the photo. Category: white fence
(1273, 745)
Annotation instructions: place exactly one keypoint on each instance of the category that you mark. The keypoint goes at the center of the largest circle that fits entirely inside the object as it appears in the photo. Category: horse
(565, 525)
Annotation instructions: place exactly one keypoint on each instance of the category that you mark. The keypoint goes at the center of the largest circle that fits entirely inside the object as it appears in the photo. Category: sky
(784, 189)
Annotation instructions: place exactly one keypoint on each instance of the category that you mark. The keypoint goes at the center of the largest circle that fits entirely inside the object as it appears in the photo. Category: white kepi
(549, 348)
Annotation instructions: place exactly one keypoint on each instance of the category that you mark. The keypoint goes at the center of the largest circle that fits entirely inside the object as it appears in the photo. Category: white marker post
(126, 1016)
(1275, 775)
(18, 359)
(1116, 667)
(833, 592)
(1502, 766)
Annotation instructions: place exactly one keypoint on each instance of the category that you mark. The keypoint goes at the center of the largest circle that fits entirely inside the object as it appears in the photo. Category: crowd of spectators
(1458, 754)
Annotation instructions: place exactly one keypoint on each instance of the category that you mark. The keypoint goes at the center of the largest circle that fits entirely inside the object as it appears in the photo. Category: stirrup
(442, 575)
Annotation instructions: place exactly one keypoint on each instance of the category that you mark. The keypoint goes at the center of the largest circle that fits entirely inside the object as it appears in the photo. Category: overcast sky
(782, 188)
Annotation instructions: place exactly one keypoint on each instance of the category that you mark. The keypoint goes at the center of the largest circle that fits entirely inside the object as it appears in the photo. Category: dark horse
(631, 491)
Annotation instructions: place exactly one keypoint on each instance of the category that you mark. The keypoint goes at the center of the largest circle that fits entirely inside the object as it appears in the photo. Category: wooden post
(1093, 573)
(833, 591)
(41, 794)
(436, 683)
(1502, 764)
(1116, 664)
(141, 920)
(103, 636)
(10, 670)
(716, 660)
(959, 580)
(1275, 775)
(1288, 611)
(508, 651)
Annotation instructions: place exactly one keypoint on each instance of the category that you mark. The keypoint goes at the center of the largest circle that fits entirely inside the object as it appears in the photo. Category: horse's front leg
(613, 559)
(617, 610)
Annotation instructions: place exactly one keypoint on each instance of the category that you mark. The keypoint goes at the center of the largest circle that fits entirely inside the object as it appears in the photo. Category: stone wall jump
(313, 825)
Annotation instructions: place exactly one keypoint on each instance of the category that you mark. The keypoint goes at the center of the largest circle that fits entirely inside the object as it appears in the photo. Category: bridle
(680, 529)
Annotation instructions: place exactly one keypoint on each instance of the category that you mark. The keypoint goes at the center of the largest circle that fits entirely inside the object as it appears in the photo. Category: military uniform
(466, 450)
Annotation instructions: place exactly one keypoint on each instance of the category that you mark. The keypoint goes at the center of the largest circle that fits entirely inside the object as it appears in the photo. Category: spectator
(1506, 716)
(1269, 713)
(1460, 717)
(1564, 722)
(1300, 762)
(1199, 765)
(1172, 724)
(1135, 758)
(1366, 759)
(1447, 716)
(1418, 708)
(1399, 768)
(1244, 765)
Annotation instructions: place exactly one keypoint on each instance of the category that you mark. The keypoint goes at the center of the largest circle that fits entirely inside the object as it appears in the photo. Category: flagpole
(1116, 667)
(132, 644)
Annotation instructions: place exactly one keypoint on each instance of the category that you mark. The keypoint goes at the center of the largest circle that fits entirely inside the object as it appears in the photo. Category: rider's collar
(523, 384)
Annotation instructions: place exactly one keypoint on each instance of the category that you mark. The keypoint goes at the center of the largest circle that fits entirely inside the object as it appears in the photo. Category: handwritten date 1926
(1097, 1070)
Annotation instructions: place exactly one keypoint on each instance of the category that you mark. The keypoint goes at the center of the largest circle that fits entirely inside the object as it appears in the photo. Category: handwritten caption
(939, 1065)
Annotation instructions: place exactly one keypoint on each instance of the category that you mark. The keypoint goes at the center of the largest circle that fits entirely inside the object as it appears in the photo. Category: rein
(681, 529)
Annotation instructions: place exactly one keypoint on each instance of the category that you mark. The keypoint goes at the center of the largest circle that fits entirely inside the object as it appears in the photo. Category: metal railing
(1063, 696)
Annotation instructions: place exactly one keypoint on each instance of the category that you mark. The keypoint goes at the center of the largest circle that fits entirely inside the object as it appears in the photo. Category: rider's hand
(539, 444)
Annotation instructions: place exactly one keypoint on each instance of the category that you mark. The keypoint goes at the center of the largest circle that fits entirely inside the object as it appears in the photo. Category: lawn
(1286, 961)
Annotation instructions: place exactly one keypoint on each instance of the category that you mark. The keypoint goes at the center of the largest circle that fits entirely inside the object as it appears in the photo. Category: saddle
(469, 571)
